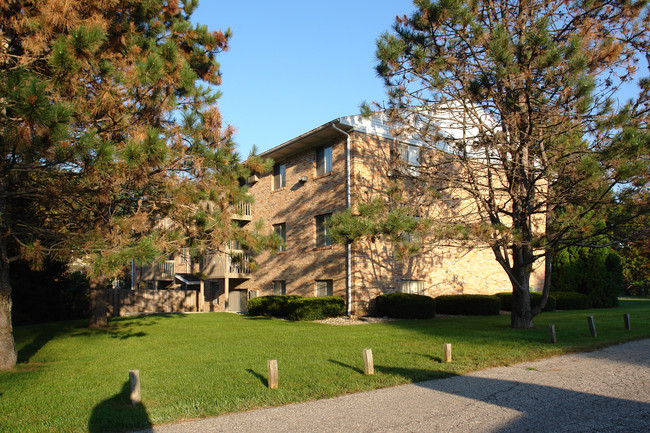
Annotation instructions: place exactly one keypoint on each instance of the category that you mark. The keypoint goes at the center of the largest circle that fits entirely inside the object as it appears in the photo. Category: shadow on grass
(429, 357)
(355, 369)
(29, 350)
(123, 328)
(413, 374)
(118, 414)
(261, 377)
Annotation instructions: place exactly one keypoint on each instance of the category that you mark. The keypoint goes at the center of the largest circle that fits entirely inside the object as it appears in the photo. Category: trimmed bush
(470, 305)
(535, 298)
(316, 308)
(405, 306)
(274, 305)
(595, 272)
(572, 301)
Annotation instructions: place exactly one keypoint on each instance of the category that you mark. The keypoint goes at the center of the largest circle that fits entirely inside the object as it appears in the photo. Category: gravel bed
(347, 320)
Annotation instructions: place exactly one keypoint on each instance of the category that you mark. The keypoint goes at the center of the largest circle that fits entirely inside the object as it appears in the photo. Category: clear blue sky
(294, 65)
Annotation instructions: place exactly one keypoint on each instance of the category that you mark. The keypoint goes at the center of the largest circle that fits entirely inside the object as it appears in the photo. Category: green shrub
(471, 305)
(275, 305)
(316, 308)
(535, 298)
(595, 272)
(571, 301)
(405, 306)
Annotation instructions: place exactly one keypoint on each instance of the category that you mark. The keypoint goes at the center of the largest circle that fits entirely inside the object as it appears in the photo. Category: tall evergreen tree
(514, 99)
(113, 147)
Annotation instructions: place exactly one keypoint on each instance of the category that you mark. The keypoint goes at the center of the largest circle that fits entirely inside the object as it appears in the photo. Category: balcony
(226, 265)
(242, 212)
(163, 271)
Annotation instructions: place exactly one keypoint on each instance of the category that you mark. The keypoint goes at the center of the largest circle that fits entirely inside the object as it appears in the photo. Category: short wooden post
(592, 326)
(272, 365)
(134, 377)
(447, 352)
(368, 366)
(551, 333)
(626, 320)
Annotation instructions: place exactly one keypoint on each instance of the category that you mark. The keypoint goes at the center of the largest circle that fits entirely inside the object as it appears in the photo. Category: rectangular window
(279, 176)
(324, 288)
(410, 158)
(279, 287)
(415, 287)
(323, 160)
(281, 230)
(322, 235)
(414, 237)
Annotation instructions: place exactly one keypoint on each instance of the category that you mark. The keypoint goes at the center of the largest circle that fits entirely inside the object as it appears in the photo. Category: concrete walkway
(603, 391)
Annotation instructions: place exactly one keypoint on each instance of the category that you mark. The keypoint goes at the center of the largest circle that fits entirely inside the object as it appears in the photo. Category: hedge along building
(343, 163)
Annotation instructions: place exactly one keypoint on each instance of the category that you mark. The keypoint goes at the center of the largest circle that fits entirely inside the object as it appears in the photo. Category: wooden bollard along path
(626, 321)
(446, 348)
(592, 326)
(368, 364)
(551, 334)
(272, 365)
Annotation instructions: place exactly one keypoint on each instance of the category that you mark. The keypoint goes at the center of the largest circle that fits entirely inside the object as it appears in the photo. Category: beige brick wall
(297, 205)
(443, 270)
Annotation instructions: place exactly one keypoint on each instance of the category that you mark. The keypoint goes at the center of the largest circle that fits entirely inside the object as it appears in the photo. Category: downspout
(348, 201)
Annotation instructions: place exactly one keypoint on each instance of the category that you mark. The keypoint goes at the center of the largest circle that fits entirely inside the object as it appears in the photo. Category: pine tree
(539, 150)
(113, 146)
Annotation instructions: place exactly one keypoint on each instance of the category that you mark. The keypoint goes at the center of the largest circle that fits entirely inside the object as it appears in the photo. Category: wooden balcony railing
(221, 265)
(243, 211)
(165, 270)
(239, 263)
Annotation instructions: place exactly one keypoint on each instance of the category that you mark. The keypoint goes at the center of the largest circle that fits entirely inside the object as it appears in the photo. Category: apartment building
(333, 167)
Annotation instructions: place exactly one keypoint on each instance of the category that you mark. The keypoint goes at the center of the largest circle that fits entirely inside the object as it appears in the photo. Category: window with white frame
(323, 160)
(415, 287)
(279, 176)
(279, 287)
(409, 156)
(322, 234)
(324, 288)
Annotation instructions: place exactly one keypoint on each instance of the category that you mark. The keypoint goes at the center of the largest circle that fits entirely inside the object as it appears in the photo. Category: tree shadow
(118, 414)
(261, 377)
(413, 374)
(124, 328)
(29, 350)
(546, 408)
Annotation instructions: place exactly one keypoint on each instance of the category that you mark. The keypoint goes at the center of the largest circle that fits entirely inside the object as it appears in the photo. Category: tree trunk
(521, 316)
(98, 308)
(8, 355)
(548, 268)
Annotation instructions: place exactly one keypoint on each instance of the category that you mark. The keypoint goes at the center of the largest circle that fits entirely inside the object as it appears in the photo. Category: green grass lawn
(72, 379)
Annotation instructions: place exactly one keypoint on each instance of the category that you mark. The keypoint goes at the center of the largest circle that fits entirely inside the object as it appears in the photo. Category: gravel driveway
(603, 391)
